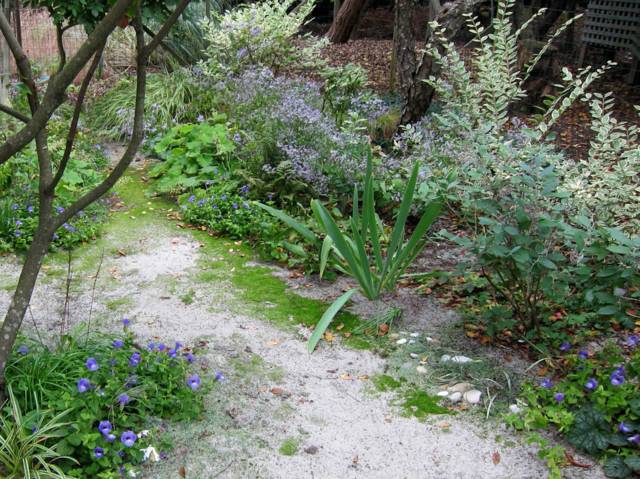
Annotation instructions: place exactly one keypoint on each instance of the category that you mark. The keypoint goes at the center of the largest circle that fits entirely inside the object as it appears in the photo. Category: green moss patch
(289, 446)
(420, 404)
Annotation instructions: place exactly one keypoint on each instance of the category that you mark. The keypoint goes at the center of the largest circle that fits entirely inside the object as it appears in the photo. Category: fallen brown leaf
(495, 458)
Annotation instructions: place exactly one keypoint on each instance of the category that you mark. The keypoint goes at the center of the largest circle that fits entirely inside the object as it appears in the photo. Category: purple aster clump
(83, 385)
(98, 452)
(193, 381)
(546, 383)
(128, 438)
(105, 427)
(92, 365)
(135, 359)
(591, 384)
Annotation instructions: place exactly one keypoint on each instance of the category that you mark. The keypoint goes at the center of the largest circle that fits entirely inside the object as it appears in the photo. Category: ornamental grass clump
(111, 391)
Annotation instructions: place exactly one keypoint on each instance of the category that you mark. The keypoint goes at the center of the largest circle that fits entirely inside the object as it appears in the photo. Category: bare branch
(62, 53)
(164, 30)
(58, 84)
(14, 113)
(167, 47)
(73, 128)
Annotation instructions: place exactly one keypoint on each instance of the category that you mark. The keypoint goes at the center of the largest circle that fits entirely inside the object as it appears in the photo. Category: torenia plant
(359, 253)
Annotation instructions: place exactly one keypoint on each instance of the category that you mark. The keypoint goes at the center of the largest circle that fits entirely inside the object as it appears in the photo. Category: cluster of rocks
(461, 392)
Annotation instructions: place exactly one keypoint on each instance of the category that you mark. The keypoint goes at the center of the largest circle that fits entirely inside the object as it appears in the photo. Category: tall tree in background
(346, 18)
(413, 64)
(41, 108)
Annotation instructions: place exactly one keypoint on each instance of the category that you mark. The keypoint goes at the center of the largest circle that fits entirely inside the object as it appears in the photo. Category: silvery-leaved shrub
(260, 34)
(605, 185)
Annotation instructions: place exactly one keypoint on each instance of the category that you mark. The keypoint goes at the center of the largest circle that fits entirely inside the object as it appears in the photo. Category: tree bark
(5, 58)
(346, 21)
(416, 93)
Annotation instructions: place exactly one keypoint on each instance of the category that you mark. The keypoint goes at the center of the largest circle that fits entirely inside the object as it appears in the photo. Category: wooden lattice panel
(613, 24)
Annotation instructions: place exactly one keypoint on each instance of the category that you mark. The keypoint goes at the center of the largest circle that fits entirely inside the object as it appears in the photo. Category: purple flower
(172, 353)
(98, 452)
(564, 347)
(83, 385)
(242, 53)
(635, 439)
(30, 209)
(122, 468)
(220, 377)
(178, 345)
(617, 377)
(189, 357)
(59, 209)
(623, 428)
(109, 437)
(105, 427)
(161, 347)
(546, 383)
(583, 354)
(200, 119)
(135, 359)
(23, 349)
(193, 382)
(92, 364)
(123, 399)
(128, 438)
(151, 346)
(126, 323)
(14, 207)
(591, 384)
(234, 206)
(559, 397)
(117, 343)
(18, 223)
(192, 198)
(632, 341)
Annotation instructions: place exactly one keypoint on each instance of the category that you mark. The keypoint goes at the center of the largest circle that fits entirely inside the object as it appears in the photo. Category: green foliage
(375, 272)
(170, 98)
(19, 190)
(103, 378)
(28, 444)
(260, 34)
(341, 85)
(595, 404)
(192, 153)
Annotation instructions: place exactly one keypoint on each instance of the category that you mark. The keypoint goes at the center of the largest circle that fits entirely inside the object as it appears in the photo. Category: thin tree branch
(58, 84)
(164, 30)
(73, 128)
(167, 47)
(14, 113)
(62, 54)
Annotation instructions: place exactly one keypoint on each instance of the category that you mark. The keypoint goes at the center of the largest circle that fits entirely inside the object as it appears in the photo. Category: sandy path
(275, 391)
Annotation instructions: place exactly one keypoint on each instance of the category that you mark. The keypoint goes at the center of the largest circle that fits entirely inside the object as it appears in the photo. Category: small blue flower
(192, 198)
(117, 343)
(546, 383)
(14, 207)
(564, 347)
(126, 323)
(591, 384)
(234, 206)
(92, 364)
(17, 233)
(189, 357)
(18, 223)
(161, 347)
(109, 437)
(128, 438)
(59, 209)
(83, 385)
(135, 359)
(105, 427)
(193, 382)
(583, 354)
(200, 119)
(623, 428)
(98, 452)
(151, 346)
(635, 439)
(29, 209)
(172, 353)
(241, 53)
(559, 397)
(23, 349)
(632, 341)
(123, 399)
(617, 379)
(220, 377)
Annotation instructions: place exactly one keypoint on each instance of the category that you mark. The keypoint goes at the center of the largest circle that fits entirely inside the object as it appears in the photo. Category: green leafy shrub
(260, 34)
(19, 188)
(192, 153)
(113, 390)
(596, 405)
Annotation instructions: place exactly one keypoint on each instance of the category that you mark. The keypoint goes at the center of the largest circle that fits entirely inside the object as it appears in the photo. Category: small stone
(473, 396)
(415, 335)
(311, 450)
(421, 369)
(514, 408)
(445, 358)
(276, 391)
(455, 359)
(442, 394)
(455, 397)
(429, 339)
(460, 388)
(414, 355)
(401, 341)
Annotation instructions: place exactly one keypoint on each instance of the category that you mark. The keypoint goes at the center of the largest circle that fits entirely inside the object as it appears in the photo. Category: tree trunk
(416, 93)
(346, 21)
(336, 8)
(5, 56)
(404, 44)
